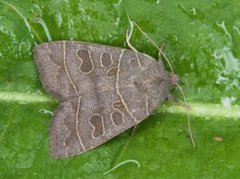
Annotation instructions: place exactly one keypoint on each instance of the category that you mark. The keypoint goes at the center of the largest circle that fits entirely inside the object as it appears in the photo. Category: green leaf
(202, 42)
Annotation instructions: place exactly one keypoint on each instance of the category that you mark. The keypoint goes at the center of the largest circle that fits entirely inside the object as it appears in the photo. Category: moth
(103, 91)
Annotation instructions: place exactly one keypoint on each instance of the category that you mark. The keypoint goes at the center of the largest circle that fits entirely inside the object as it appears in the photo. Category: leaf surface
(202, 42)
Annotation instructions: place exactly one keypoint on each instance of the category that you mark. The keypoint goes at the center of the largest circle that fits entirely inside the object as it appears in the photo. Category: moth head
(174, 79)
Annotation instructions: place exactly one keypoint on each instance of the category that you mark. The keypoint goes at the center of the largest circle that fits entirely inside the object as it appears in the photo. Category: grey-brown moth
(103, 91)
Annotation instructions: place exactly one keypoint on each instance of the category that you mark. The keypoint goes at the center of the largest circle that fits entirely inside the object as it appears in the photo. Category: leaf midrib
(199, 109)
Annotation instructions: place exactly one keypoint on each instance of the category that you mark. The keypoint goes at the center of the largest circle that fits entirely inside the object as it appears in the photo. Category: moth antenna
(168, 61)
(128, 35)
(154, 44)
(188, 118)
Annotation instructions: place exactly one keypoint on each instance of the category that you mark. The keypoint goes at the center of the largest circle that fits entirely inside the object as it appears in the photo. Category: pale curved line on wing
(77, 124)
(66, 70)
(117, 87)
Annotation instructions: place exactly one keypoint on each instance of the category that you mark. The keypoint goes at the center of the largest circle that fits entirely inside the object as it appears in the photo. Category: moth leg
(174, 100)
(134, 129)
(128, 37)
